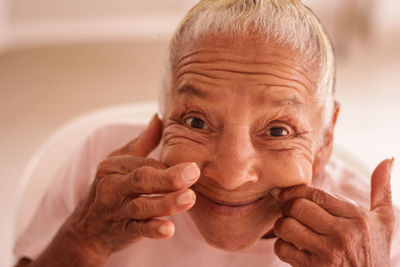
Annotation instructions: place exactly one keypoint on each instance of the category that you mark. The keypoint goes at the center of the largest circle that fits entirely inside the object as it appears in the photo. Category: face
(245, 111)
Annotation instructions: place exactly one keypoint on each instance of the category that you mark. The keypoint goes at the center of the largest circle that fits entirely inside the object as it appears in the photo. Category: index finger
(335, 205)
(150, 180)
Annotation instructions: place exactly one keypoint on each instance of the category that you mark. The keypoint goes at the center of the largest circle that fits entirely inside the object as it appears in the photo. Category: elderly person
(242, 175)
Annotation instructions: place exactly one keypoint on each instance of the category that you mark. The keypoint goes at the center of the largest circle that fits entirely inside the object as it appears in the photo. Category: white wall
(41, 22)
(46, 22)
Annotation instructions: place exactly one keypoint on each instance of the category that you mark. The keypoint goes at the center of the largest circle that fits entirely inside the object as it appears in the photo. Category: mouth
(226, 208)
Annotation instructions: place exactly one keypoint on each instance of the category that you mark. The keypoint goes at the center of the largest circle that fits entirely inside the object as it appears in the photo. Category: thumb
(381, 195)
(145, 142)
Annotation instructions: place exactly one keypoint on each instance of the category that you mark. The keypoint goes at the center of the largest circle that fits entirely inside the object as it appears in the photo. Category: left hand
(321, 229)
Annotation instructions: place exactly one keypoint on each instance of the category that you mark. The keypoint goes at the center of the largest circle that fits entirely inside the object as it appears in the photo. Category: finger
(147, 141)
(125, 164)
(310, 214)
(156, 229)
(289, 253)
(292, 231)
(335, 205)
(144, 208)
(149, 180)
(381, 196)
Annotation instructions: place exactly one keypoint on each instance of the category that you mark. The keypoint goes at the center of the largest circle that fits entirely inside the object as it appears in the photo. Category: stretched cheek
(179, 153)
(289, 172)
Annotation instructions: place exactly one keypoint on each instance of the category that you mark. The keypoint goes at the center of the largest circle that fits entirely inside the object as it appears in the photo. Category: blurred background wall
(59, 59)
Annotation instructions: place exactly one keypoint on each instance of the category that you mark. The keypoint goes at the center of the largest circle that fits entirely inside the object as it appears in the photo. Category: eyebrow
(291, 101)
(189, 90)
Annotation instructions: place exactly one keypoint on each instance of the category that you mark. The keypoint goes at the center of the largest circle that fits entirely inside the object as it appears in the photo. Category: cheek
(179, 153)
(281, 168)
(180, 145)
(285, 169)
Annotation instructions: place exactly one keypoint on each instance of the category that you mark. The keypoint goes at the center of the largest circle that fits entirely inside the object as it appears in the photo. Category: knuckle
(318, 197)
(294, 207)
(280, 226)
(139, 175)
(102, 168)
(137, 208)
(103, 191)
(333, 258)
(154, 163)
(169, 206)
(162, 207)
(170, 181)
(338, 226)
(150, 208)
(349, 235)
(165, 208)
(278, 246)
(133, 227)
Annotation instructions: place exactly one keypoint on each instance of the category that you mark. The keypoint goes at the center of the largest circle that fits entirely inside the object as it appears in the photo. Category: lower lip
(225, 210)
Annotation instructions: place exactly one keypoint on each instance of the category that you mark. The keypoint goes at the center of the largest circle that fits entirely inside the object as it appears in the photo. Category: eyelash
(292, 131)
(192, 127)
(194, 114)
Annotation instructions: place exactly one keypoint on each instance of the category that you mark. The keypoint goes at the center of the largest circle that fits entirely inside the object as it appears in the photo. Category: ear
(324, 152)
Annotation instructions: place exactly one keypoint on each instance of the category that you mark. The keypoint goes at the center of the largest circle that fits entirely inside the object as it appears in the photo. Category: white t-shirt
(187, 247)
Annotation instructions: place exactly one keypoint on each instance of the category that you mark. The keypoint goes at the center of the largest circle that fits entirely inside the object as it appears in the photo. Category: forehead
(249, 49)
(246, 75)
(226, 58)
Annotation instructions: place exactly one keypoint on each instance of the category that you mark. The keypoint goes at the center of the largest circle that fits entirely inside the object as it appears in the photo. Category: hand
(121, 207)
(321, 229)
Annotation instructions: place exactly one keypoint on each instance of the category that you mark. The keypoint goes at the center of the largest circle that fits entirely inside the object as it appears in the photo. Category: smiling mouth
(225, 208)
(226, 203)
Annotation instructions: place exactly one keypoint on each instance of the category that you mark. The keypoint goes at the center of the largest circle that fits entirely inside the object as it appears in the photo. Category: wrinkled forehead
(251, 53)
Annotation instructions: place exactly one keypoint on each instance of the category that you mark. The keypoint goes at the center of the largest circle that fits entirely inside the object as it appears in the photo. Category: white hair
(286, 21)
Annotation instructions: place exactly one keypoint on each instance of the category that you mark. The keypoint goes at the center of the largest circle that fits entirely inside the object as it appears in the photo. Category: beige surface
(42, 88)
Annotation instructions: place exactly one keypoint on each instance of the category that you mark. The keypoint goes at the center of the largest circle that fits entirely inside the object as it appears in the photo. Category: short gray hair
(286, 21)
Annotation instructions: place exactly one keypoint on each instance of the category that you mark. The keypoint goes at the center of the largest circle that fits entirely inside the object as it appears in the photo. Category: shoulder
(112, 136)
(78, 172)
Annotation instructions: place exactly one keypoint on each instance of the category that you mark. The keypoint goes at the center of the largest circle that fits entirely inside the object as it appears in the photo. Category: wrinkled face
(245, 111)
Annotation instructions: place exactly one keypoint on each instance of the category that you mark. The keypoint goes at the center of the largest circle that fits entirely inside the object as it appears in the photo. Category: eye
(278, 131)
(196, 123)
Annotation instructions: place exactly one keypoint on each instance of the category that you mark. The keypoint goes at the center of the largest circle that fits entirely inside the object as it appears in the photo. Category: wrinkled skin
(320, 229)
(260, 128)
(245, 112)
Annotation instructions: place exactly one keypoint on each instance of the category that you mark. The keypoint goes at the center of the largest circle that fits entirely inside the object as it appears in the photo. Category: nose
(233, 162)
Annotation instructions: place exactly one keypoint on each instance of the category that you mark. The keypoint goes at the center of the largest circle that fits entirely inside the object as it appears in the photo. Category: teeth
(230, 204)
(225, 203)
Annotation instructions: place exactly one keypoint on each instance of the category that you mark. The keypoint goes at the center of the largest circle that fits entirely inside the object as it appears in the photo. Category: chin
(227, 243)
(233, 232)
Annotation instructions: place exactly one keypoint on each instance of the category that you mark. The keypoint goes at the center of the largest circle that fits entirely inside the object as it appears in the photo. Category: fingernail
(190, 172)
(391, 164)
(275, 192)
(152, 120)
(186, 198)
(166, 230)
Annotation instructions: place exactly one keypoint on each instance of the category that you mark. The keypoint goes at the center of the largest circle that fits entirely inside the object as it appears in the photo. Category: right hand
(120, 208)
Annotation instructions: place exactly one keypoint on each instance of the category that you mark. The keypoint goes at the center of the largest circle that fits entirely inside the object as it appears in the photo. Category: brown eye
(196, 123)
(278, 131)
